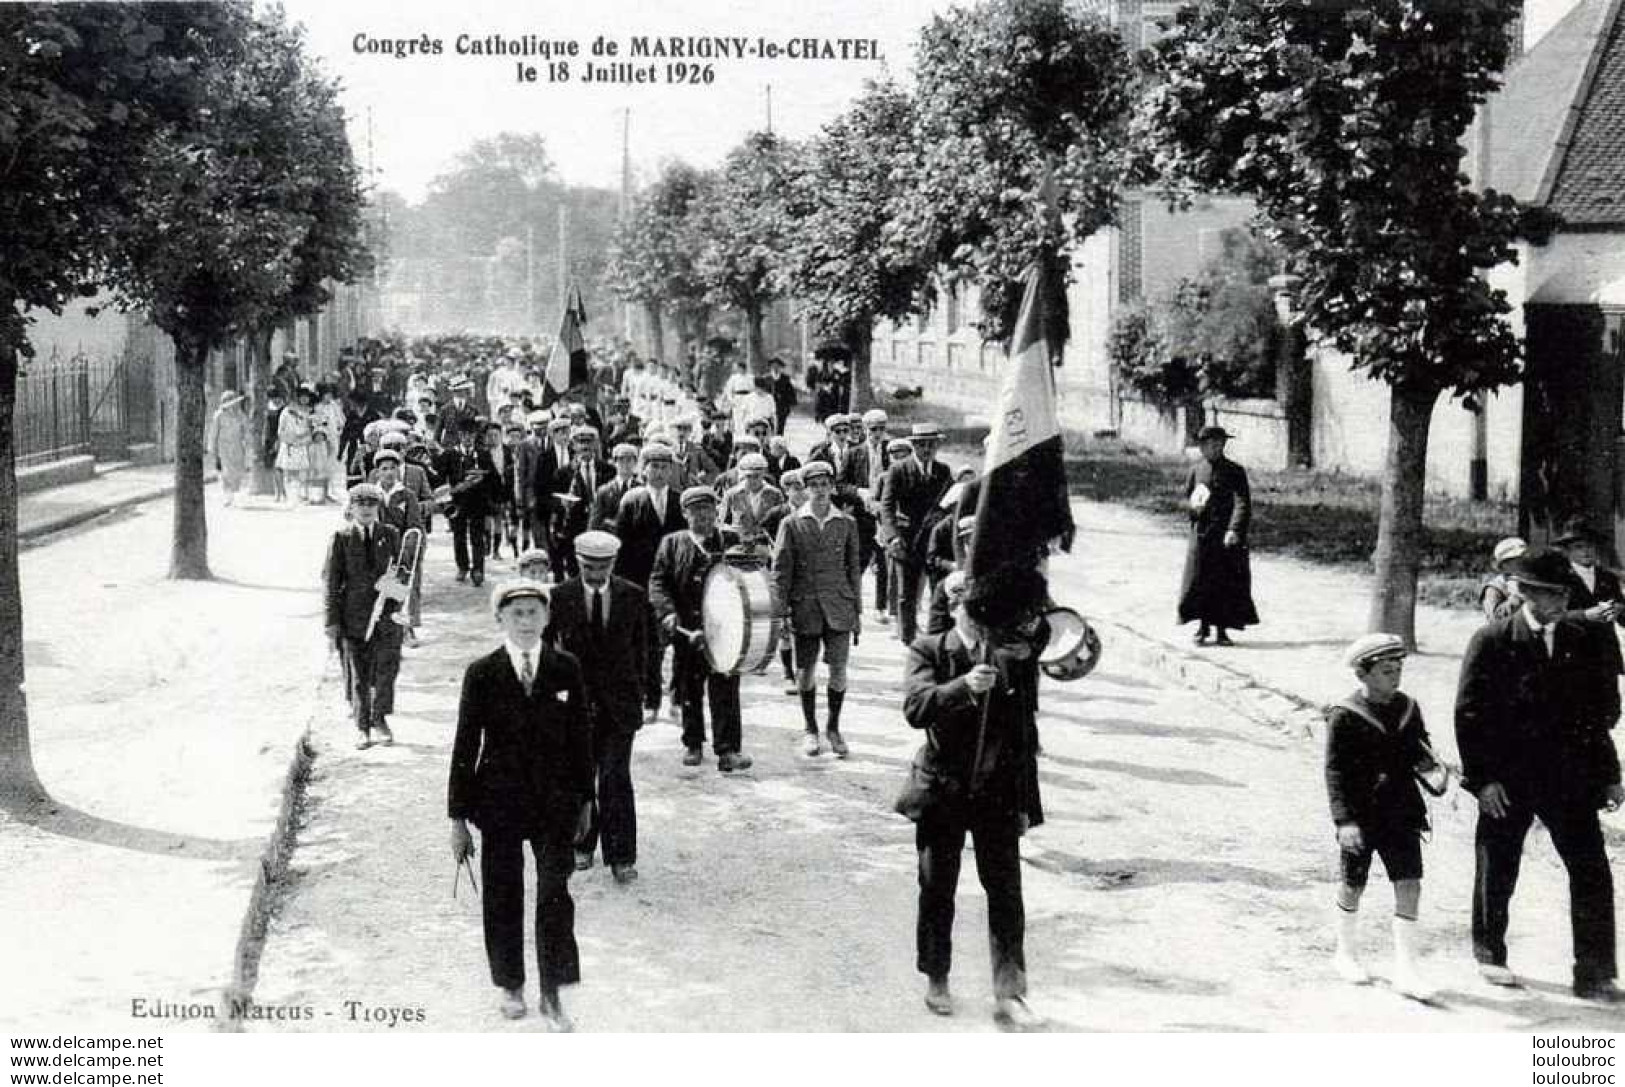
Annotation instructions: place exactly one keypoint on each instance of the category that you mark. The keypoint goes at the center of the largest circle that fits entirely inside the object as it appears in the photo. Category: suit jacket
(677, 582)
(817, 573)
(578, 514)
(936, 698)
(1536, 725)
(522, 764)
(912, 493)
(351, 572)
(641, 527)
(401, 510)
(530, 455)
(1607, 591)
(455, 465)
(693, 466)
(552, 476)
(612, 660)
(606, 504)
(1368, 763)
(737, 512)
(452, 419)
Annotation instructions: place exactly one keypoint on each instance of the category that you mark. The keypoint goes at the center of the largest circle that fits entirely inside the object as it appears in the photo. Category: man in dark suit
(589, 472)
(601, 620)
(973, 690)
(552, 477)
(818, 579)
(1594, 592)
(914, 486)
(1537, 698)
(522, 771)
(357, 557)
(529, 460)
(457, 413)
(784, 393)
(475, 485)
(676, 588)
(606, 502)
(646, 516)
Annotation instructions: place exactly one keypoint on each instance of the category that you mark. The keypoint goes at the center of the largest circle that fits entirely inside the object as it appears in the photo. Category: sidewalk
(164, 717)
(43, 512)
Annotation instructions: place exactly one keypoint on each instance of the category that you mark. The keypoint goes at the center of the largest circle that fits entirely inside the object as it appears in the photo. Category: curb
(1230, 687)
(31, 533)
(273, 869)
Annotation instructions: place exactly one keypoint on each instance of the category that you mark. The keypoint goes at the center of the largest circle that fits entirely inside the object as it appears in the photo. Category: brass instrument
(445, 495)
(395, 583)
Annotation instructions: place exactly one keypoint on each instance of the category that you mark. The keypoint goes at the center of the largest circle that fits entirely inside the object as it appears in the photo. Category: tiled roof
(1589, 189)
(1557, 126)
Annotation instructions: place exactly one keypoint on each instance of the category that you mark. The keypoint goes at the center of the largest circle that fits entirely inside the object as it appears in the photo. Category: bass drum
(738, 614)
(1073, 649)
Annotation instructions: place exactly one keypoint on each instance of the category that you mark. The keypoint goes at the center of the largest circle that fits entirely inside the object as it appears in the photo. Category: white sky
(425, 110)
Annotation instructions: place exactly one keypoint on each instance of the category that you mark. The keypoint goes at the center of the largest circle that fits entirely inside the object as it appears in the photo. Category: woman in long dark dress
(1217, 591)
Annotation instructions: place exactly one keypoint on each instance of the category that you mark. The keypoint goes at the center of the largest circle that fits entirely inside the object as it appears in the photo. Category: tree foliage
(1007, 91)
(742, 227)
(651, 256)
(1345, 124)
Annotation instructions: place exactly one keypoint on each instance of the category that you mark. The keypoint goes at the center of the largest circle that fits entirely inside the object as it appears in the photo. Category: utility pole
(564, 256)
(626, 210)
(770, 109)
(530, 279)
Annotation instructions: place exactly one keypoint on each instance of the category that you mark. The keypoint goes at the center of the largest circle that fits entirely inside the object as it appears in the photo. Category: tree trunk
(860, 339)
(1399, 531)
(657, 331)
(19, 785)
(189, 545)
(755, 355)
(1294, 389)
(259, 392)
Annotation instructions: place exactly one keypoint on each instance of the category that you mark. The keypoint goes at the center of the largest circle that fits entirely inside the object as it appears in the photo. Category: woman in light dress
(227, 443)
(295, 430)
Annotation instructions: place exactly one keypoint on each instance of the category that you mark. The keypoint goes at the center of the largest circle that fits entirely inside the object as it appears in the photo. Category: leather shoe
(549, 1008)
(810, 746)
(513, 1004)
(1499, 975)
(385, 737)
(624, 873)
(583, 861)
(1222, 639)
(462, 575)
(1012, 1013)
(477, 579)
(733, 761)
(693, 756)
(363, 740)
(837, 744)
(1602, 991)
(937, 998)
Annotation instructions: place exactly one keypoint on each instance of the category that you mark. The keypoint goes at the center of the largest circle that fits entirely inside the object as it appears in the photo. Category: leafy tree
(86, 86)
(1009, 93)
(741, 229)
(1345, 124)
(227, 205)
(844, 185)
(651, 260)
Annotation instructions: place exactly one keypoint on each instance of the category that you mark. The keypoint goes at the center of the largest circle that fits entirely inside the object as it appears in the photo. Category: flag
(1022, 502)
(567, 360)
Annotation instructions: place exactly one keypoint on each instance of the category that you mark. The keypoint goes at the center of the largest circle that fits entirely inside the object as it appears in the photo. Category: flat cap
(517, 589)
(1509, 548)
(817, 469)
(394, 439)
(623, 449)
(598, 545)
(367, 492)
(747, 441)
(793, 478)
(655, 452)
(559, 422)
(533, 556)
(900, 447)
(538, 417)
(1371, 648)
(833, 421)
(753, 462)
(388, 455)
(874, 417)
(583, 432)
(696, 495)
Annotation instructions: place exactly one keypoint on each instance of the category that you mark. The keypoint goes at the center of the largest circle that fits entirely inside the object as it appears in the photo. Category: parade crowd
(639, 506)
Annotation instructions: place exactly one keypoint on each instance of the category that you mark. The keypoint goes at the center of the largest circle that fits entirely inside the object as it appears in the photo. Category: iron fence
(52, 416)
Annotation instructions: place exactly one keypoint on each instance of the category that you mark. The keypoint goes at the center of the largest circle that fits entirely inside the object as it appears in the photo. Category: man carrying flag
(974, 687)
(567, 361)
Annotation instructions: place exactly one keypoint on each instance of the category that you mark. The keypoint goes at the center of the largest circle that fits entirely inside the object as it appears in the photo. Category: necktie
(527, 673)
(598, 609)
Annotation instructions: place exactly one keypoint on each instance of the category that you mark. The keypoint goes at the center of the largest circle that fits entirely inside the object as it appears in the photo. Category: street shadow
(235, 584)
(66, 821)
(1120, 727)
(1130, 873)
(1538, 1011)
(1161, 775)
(1247, 643)
(1117, 680)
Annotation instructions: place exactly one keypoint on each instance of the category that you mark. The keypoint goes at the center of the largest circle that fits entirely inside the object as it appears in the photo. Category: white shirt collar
(516, 657)
(807, 512)
(1587, 574)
